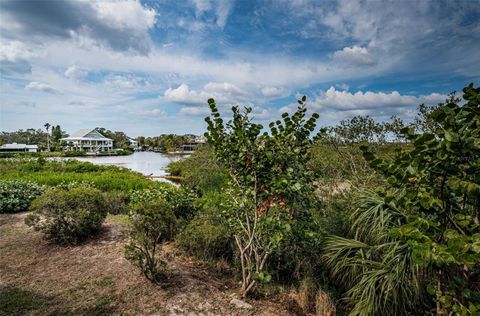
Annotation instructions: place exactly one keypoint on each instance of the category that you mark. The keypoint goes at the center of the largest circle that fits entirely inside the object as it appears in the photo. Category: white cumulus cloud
(125, 14)
(38, 86)
(273, 92)
(348, 101)
(354, 56)
(75, 73)
(222, 92)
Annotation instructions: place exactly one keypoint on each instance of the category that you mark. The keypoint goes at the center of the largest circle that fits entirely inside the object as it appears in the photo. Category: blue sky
(148, 67)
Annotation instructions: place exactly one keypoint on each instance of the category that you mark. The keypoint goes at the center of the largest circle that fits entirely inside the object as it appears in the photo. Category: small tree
(153, 222)
(269, 183)
(47, 127)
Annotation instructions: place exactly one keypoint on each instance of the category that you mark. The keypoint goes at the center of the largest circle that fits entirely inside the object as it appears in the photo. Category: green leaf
(451, 136)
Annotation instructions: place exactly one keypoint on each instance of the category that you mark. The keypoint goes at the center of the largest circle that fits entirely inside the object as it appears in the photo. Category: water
(147, 163)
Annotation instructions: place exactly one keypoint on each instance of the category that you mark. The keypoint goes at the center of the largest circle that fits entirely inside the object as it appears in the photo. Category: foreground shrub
(152, 224)
(180, 200)
(436, 183)
(208, 236)
(206, 240)
(16, 196)
(117, 202)
(376, 269)
(68, 216)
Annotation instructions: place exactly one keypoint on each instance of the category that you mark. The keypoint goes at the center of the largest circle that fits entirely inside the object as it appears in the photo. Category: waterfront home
(89, 140)
(19, 148)
(192, 143)
(133, 144)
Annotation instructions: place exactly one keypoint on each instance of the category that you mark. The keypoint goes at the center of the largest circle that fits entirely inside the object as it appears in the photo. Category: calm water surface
(147, 163)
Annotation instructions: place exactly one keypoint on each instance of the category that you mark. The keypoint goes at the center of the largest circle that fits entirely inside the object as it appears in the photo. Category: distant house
(200, 139)
(133, 144)
(19, 148)
(88, 140)
(192, 143)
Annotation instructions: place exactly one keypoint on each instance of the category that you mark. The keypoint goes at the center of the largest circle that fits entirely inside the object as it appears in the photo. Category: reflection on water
(147, 163)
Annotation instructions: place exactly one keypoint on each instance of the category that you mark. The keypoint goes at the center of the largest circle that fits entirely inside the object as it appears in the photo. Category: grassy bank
(53, 173)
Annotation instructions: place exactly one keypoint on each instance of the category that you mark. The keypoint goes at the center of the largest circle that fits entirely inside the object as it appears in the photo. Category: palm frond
(377, 269)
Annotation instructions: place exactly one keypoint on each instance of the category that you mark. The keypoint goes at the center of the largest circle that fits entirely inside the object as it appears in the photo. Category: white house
(88, 140)
(133, 143)
(19, 148)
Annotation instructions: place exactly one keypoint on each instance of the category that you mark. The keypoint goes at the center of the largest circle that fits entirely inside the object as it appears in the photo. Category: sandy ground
(38, 278)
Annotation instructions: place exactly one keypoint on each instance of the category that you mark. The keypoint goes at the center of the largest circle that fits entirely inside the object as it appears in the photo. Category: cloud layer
(148, 67)
(120, 25)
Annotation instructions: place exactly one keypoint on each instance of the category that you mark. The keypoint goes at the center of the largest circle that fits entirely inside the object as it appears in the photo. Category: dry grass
(324, 305)
(38, 278)
(308, 300)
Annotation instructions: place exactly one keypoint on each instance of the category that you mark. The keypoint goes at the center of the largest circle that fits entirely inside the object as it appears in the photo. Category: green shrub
(74, 153)
(201, 171)
(33, 165)
(208, 236)
(180, 200)
(153, 223)
(124, 152)
(117, 202)
(80, 167)
(206, 240)
(16, 196)
(75, 184)
(68, 216)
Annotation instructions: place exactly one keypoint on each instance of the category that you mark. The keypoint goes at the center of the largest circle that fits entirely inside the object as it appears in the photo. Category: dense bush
(75, 184)
(68, 216)
(180, 200)
(436, 183)
(117, 202)
(413, 245)
(125, 152)
(201, 171)
(80, 167)
(74, 153)
(153, 223)
(207, 236)
(206, 240)
(16, 196)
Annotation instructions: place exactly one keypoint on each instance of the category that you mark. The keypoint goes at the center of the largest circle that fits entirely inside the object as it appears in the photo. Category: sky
(148, 67)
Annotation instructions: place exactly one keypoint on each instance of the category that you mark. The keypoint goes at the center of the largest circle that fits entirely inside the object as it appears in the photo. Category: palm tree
(377, 269)
(47, 127)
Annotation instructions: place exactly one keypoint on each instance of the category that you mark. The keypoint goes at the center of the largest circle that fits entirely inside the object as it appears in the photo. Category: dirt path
(37, 278)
